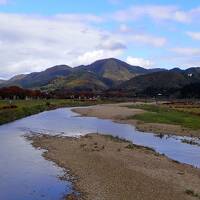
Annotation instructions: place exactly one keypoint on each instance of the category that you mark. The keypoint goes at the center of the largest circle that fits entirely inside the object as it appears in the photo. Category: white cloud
(182, 61)
(136, 12)
(112, 45)
(80, 17)
(139, 62)
(33, 43)
(194, 35)
(140, 37)
(184, 51)
(124, 28)
(149, 40)
(183, 57)
(158, 13)
(92, 56)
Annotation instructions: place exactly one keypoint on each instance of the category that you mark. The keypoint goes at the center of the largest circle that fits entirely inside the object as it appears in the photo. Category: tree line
(15, 92)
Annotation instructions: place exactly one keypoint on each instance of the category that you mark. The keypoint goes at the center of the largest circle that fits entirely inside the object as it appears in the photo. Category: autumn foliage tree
(15, 92)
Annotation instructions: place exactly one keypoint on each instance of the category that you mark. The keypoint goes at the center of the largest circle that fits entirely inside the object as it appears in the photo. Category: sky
(38, 34)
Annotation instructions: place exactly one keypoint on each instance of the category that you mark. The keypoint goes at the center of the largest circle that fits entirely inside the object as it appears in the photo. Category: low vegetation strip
(192, 193)
(166, 115)
(13, 110)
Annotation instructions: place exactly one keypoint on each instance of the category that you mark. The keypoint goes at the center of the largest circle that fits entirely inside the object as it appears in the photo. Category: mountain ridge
(107, 74)
(112, 71)
(2, 81)
(162, 82)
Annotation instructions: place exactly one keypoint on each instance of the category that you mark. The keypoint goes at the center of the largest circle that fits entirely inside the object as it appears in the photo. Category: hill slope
(39, 79)
(161, 82)
(104, 73)
(79, 81)
(2, 81)
(113, 69)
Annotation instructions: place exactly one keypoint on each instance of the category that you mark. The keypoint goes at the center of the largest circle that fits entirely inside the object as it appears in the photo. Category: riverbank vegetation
(185, 116)
(11, 110)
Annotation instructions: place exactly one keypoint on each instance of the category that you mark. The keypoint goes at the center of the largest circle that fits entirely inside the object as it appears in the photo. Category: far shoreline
(120, 113)
(20, 109)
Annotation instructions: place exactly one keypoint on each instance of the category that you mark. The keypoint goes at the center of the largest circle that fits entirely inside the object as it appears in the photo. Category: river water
(25, 174)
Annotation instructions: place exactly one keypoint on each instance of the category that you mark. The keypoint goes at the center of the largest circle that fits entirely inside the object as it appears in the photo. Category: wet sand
(120, 113)
(105, 168)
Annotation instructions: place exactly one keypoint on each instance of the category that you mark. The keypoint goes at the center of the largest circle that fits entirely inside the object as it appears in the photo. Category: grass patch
(165, 115)
(115, 138)
(23, 108)
(134, 146)
(130, 146)
(191, 142)
(192, 110)
(192, 193)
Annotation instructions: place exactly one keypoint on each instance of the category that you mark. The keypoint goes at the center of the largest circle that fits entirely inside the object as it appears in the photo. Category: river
(25, 174)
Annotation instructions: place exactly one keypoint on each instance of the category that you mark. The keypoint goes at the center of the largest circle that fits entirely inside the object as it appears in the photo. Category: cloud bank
(139, 62)
(32, 43)
(158, 13)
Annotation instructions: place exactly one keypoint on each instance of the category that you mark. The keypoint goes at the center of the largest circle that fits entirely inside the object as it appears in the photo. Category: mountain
(79, 81)
(162, 82)
(39, 79)
(17, 77)
(101, 74)
(13, 81)
(113, 69)
(149, 71)
(112, 75)
(2, 81)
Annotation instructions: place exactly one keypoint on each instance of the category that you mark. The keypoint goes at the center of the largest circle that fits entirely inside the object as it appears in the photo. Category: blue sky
(85, 6)
(35, 35)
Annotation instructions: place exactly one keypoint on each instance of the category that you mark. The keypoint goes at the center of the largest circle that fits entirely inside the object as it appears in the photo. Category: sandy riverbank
(120, 113)
(108, 169)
